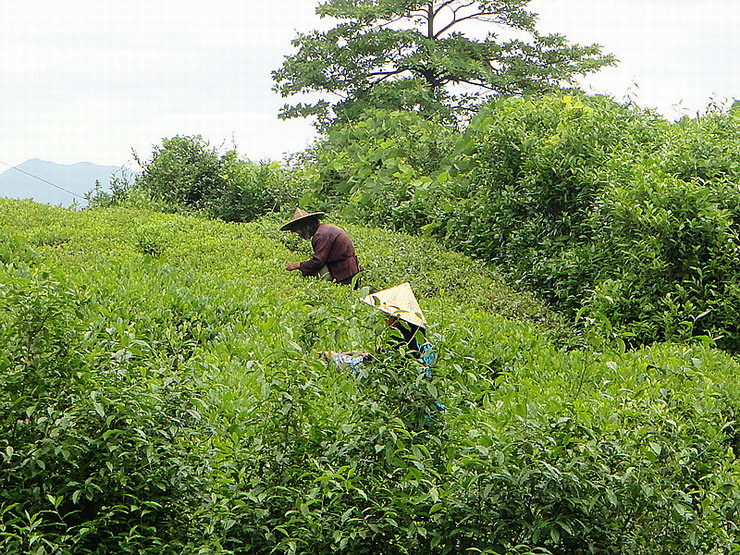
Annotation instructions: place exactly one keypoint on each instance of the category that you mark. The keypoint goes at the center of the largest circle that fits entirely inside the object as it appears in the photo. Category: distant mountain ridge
(52, 183)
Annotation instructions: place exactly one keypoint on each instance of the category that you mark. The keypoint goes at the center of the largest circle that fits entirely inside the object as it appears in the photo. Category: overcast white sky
(90, 80)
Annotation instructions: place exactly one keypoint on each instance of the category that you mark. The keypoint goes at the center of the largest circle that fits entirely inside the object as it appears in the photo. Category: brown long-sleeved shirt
(332, 248)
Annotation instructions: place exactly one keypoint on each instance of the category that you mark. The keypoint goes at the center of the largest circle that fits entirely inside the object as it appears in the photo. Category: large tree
(435, 57)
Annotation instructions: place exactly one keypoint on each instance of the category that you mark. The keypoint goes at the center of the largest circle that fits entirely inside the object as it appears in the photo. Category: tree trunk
(430, 20)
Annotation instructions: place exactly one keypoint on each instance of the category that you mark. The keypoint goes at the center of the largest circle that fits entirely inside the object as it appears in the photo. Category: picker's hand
(290, 266)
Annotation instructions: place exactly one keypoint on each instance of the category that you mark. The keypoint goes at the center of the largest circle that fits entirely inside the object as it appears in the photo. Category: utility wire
(42, 179)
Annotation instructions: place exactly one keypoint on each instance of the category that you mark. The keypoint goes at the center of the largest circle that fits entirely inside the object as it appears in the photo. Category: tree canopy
(434, 57)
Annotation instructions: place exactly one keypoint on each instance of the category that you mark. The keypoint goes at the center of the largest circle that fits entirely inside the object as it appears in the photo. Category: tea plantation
(162, 391)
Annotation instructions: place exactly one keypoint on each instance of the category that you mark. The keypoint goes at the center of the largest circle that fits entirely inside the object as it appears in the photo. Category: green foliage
(704, 148)
(252, 190)
(185, 171)
(14, 251)
(186, 175)
(535, 173)
(561, 192)
(414, 55)
(586, 201)
(378, 170)
(96, 445)
(120, 188)
(178, 403)
(674, 263)
(607, 212)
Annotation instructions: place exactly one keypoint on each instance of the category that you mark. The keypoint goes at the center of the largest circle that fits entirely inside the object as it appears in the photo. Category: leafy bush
(674, 266)
(576, 194)
(378, 170)
(14, 251)
(559, 192)
(535, 175)
(186, 175)
(252, 190)
(185, 172)
(704, 148)
(95, 444)
(120, 189)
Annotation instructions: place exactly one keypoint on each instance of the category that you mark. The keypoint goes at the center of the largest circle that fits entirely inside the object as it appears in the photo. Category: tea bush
(185, 172)
(705, 148)
(93, 436)
(537, 169)
(674, 251)
(252, 190)
(178, 402)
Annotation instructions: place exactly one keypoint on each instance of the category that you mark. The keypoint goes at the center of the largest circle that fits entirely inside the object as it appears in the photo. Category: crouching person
(334, 255)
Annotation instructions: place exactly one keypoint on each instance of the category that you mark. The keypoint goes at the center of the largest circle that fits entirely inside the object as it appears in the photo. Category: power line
(42, 179)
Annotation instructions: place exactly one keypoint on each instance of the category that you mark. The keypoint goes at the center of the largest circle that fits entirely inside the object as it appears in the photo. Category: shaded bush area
(673, 268)
(606, 198)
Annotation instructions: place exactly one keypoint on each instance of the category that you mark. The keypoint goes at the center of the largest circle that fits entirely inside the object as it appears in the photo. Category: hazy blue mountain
(36, 179)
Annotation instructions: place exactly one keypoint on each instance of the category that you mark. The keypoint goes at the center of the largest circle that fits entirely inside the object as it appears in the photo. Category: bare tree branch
(387, 74)
(455, 21)
(443, 5)
(388, 22)
(481, 84)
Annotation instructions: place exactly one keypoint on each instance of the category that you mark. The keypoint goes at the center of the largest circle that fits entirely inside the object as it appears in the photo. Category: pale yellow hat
(300, 216)
(398, 301)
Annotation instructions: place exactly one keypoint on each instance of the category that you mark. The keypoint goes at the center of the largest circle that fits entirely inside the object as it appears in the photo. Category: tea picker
(334, 255)
(405, 316)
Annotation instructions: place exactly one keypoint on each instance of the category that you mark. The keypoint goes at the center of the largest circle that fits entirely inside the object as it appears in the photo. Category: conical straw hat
(299, 216)
(398, 301)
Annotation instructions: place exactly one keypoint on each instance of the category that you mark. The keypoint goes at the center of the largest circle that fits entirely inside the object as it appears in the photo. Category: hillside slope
(164, 386)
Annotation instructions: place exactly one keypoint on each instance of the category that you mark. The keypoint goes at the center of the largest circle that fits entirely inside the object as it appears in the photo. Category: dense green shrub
(95, 439)
(186, 175)
(379, 170)
(673, 266)
(185, 172)
(535, 175)
(574, 195)
(705, 148)
(252, 190)
(120, 190)
(14, 251)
